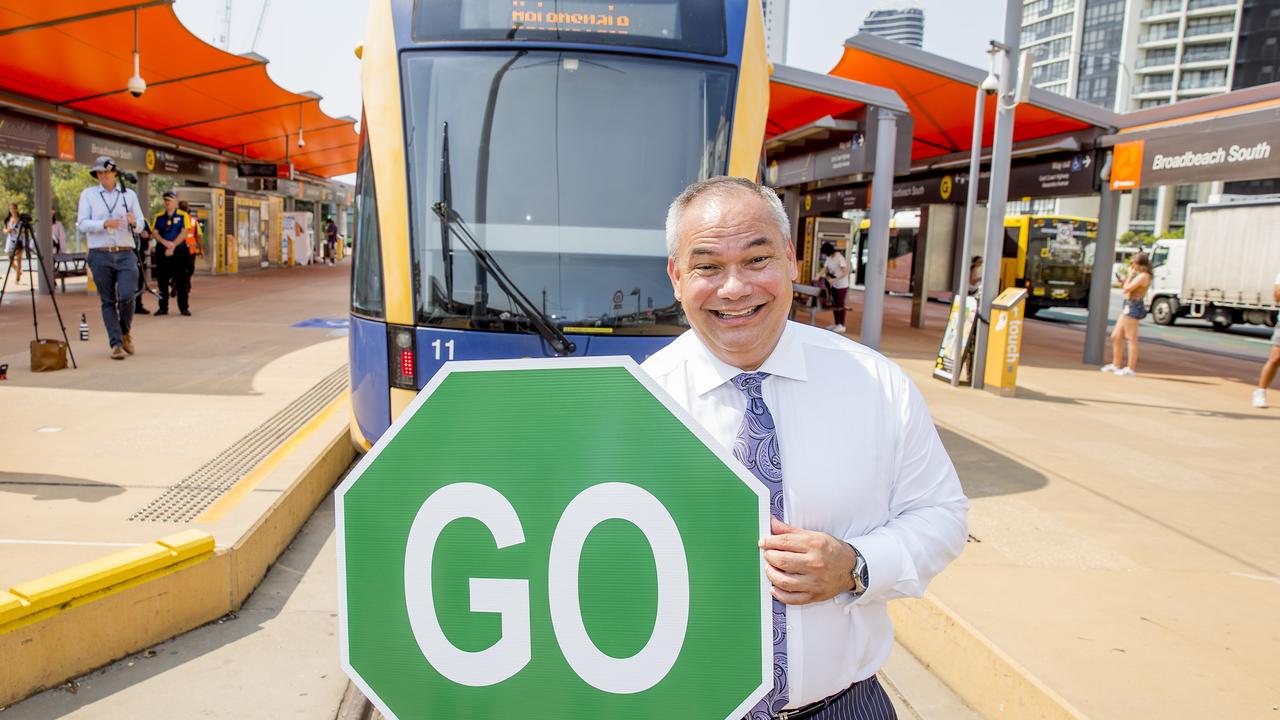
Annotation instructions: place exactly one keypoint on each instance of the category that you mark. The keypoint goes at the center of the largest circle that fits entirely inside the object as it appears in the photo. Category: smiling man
(867, 506)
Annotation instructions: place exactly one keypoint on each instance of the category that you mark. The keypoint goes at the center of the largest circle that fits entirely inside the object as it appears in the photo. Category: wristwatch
(860, 576)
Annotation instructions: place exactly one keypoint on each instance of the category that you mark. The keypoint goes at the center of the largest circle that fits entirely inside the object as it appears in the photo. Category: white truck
(1225, 268)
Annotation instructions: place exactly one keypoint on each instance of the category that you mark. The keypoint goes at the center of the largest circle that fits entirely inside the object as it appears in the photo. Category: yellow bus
(1051, 256)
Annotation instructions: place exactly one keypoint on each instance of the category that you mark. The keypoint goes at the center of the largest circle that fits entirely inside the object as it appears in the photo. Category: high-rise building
(775, 30)
(901, 22)
(1133, 54)
(1258, 50)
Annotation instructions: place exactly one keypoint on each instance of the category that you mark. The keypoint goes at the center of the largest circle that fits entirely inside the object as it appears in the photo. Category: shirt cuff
(886, 565)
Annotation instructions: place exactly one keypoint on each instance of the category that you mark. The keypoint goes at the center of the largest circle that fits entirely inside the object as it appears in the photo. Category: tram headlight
(401, 357)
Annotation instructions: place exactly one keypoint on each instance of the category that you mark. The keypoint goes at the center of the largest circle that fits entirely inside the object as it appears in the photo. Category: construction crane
(225, 39)
(262, 18)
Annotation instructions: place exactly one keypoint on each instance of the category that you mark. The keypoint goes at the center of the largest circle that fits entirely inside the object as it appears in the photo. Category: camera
(24, 218)
(137, 86)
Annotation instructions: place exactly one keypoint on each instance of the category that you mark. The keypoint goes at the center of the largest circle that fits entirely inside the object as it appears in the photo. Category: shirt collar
(709, 372)
(103, 188)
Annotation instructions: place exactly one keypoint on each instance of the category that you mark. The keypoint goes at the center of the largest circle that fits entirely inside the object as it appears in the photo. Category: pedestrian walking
(1125, 333)
(107, 215)
(331, 241)
(863, 522)
(835, 273)
(1273, 360)
(58, 233)
(13, 242)
(171, 254)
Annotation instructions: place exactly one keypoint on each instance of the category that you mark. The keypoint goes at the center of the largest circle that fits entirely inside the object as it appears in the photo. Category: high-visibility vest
(194, 234)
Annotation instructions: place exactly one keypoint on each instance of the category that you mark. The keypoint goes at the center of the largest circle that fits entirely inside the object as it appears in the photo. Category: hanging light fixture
(136, 85)
(301, 142)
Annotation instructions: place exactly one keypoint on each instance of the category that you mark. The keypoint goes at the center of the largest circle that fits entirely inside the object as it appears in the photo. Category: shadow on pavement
(1034, 396)
(985, 472)
(57, 487)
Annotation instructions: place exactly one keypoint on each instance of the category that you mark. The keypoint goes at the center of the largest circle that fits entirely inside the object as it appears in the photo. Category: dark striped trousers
(865, 700)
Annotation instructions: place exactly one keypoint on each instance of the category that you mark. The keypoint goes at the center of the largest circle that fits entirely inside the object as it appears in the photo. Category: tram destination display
(687, 25)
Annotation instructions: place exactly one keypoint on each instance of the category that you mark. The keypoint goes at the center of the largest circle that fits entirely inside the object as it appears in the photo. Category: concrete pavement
(1125, 549)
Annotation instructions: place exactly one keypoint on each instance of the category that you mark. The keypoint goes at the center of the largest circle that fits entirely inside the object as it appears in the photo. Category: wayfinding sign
(552, 538)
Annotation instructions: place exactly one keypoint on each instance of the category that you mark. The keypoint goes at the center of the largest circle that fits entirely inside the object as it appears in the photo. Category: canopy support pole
(970, 208)
(881, 208)
(1104, 250)
(43, 212)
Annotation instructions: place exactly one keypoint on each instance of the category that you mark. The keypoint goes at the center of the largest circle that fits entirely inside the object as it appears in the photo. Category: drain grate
(196, 492)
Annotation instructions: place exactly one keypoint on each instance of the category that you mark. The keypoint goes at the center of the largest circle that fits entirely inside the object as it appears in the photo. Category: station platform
(1123, 561)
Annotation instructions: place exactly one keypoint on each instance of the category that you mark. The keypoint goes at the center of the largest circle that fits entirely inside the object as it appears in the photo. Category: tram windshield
(562, 165)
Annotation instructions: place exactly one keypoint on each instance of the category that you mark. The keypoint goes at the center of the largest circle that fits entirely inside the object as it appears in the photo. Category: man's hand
(112, 224)
(806, 566)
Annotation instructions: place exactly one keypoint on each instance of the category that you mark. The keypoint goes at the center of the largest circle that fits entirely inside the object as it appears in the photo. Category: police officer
(171, 256)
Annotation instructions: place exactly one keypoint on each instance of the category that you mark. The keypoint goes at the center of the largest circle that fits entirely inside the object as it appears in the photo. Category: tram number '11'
(448, 346)
(509, 597)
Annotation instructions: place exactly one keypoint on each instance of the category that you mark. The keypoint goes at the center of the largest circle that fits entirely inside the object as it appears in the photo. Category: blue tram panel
(436, 347)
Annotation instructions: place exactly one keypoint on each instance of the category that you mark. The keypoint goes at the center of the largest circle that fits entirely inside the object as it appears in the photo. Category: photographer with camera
(13, 240)
(107, 216)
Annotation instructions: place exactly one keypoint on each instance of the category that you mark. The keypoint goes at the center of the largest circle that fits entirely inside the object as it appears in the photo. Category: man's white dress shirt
(861, 461)
(97, 205)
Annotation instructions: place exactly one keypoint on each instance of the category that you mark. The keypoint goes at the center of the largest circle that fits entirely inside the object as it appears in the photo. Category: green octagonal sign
(553, 538)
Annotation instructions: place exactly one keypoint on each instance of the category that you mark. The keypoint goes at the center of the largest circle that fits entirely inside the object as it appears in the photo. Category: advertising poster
(944, 366)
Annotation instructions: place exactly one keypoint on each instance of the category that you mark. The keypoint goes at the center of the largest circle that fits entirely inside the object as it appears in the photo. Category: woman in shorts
(13, 242)
(1135, 288)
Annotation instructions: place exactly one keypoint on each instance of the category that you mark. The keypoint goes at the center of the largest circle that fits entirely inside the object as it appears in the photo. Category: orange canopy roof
(798, 97)
(77, 55)
(940, 94)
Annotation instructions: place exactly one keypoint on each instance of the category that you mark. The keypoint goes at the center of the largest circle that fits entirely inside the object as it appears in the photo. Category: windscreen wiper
(446, 198)
(554, 336)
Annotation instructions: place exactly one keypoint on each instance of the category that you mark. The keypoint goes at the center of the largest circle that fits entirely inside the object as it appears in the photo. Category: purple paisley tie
(757, 447)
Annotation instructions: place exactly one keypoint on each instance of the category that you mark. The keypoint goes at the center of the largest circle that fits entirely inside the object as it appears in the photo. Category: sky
(956, 29)
(310, 43)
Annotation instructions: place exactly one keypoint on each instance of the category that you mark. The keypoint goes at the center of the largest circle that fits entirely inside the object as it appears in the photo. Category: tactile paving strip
(184, 501)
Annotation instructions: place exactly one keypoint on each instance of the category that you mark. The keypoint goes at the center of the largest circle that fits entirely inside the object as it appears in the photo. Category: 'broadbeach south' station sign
(1235, 148)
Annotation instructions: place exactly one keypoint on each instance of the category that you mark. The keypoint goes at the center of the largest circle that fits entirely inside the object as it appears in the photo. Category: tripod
(139, 246)
(27, 239)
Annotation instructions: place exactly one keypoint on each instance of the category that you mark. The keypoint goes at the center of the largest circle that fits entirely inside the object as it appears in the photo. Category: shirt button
(788, 627)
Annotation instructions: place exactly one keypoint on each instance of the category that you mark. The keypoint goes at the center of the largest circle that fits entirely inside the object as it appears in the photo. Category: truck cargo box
(1233, 253)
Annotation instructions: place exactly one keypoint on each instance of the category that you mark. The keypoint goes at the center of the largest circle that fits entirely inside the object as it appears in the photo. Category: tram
(516, 161)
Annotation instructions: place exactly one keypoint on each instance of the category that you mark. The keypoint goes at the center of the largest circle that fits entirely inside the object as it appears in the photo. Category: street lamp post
(1001, 151)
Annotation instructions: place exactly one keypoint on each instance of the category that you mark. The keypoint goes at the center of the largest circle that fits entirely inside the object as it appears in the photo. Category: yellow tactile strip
(63, 587)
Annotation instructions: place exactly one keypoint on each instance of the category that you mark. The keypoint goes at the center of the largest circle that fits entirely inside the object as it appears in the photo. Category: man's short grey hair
(723, 185)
